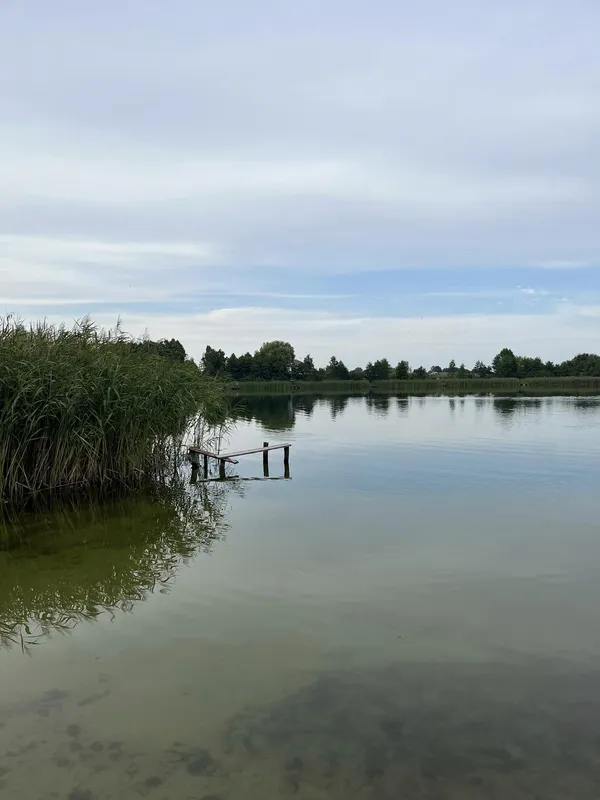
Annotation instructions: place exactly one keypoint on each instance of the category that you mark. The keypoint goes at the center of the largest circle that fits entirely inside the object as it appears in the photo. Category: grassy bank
(426, 386)
(85, 409)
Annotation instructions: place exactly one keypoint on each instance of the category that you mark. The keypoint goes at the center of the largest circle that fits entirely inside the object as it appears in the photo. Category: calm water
(414, 614)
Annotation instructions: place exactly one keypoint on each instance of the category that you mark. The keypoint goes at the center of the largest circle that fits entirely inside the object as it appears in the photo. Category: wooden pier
(231, 458)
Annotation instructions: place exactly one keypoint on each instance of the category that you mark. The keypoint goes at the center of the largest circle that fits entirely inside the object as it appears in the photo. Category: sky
(418, 181)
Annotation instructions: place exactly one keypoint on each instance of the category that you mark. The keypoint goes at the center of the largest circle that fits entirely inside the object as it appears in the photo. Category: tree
(240, 367)
(419, 372)
(304, 370)
(232, 367)
(402, 370)
(213, 361)
(245, 366)
(530, 367)
(378, 371)
(451, 367)
(586, 364)
(274, 361)
(357, 374)
(172, 348)
(336, 370)
(505, 364)
(436, 369)
(480, 370)
(462, 371)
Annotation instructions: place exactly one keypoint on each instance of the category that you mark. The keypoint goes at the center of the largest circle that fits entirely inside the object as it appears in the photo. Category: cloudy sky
(400, 179)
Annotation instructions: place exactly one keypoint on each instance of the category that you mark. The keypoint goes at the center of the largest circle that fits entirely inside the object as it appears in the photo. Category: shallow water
(415, 613)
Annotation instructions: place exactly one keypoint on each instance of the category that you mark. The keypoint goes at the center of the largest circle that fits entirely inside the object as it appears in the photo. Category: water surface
(415, 613)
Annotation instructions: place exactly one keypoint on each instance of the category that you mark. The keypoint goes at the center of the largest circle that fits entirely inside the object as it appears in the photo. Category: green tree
(419, 372)
(172, 348)
(462, 371)
(357, 374)
(505, 364)
(402, 370)
(451, 367)
(245, 366)
(436, 369)
(304, 370)
(232, 367)
(481, 370)
(378, 370)
(336, 370)
(274, 361)
(584, 364)
(530, 367)
(213, 361)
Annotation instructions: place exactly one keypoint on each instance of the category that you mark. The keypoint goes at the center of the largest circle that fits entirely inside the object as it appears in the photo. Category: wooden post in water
(221, 469)
(266, 460)
(195, 459)
(205, 467)
(286, 462)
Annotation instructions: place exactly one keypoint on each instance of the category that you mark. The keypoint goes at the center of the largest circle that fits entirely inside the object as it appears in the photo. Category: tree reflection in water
(62, 567)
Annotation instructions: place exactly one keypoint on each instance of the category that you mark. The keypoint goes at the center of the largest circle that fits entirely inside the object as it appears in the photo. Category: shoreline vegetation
(276, 362)
(431, 386)
(88, 410)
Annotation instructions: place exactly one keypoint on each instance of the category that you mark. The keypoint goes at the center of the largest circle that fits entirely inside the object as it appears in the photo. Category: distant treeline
(276, 361)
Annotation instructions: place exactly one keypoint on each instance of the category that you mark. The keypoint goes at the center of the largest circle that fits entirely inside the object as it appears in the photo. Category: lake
(414, 613)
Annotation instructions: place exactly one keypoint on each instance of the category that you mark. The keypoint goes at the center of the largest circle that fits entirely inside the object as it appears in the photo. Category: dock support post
(221, 469)
(286, 463)
(195, 459)
(205, 467)
(266, 460)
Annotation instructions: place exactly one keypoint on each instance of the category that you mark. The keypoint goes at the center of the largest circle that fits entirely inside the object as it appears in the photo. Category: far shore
(422, 386)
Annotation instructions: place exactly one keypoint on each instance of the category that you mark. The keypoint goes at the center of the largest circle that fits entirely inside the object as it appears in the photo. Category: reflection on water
(415, 615)
(52, 579)
(274, 412)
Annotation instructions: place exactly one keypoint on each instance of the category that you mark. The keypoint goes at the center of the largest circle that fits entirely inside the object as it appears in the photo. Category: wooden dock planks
(208, 453)
(258, 450)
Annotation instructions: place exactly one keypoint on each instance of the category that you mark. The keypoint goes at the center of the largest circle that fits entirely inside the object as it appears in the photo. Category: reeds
(86, 409)
(420, 386)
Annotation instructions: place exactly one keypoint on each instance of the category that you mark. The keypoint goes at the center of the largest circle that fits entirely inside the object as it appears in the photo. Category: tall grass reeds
(87, 409)
(420, 386)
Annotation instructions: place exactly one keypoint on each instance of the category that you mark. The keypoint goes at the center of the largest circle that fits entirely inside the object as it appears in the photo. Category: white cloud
(563, 264)
(322, 137)
(34, 250)
(63, 270)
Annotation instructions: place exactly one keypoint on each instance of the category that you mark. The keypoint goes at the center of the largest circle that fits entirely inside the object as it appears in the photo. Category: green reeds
(420, 386)
(86, 409)
(297, 387)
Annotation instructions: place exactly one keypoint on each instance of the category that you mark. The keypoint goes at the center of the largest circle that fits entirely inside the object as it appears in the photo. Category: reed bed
(297, 387)
(421, 386)
(85, 408)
